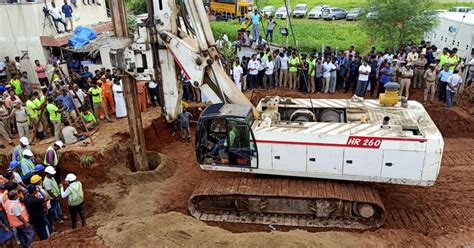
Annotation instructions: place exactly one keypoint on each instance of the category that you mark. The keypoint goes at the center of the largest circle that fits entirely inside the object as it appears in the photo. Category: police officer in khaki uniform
(419, 71)
(430, 82)
(406, 73)
(4, 120)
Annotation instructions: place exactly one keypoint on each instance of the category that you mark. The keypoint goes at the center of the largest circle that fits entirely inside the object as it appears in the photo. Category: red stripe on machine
(352, 141)
(179, 63)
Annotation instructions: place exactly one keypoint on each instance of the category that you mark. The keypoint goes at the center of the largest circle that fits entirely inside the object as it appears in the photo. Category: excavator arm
(177, 38)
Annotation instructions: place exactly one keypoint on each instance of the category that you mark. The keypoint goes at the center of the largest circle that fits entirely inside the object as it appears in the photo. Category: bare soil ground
(149, 209)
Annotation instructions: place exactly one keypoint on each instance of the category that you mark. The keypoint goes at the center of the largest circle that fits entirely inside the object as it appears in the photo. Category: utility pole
(137, 135)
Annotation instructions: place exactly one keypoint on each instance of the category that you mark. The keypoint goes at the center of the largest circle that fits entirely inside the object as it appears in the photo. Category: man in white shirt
(55, 13)
(253, 66)
(452, 88)
(268, 79)
(78, 96)
(364, 71)
(282, 81)
(270, 28)
(412, 57)
(328, 67)
(236, 73)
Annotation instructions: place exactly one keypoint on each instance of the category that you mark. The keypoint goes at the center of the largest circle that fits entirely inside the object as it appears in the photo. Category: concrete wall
(23, 24)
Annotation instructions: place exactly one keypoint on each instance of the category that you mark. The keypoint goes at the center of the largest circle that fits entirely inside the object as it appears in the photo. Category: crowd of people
(62, 108)
(412, 66)
(31, 193)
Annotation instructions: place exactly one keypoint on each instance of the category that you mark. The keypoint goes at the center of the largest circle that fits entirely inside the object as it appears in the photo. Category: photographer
(55, 13)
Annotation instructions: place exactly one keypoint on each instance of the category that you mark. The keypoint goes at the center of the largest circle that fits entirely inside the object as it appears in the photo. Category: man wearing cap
(420, 64)
(96, 92)
(55, 117)
(18, 218)
(430, 81)
(26, 163)
(53, 194)
(75, 196)
(51, 158)
(17, 153)
(406, 73)
(21, 118)
(34, 203)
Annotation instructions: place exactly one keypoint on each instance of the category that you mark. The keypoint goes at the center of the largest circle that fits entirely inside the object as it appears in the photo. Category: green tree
(393, 21)
(136, 6)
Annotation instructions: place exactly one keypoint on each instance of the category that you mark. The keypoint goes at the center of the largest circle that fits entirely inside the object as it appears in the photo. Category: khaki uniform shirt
(20, 115)
(430, 75)
(406, 72)
(420, 63)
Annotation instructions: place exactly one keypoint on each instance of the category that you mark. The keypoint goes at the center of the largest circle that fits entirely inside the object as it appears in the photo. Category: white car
(269, 10)
(300, 10)
(282, 13)
(317, 11)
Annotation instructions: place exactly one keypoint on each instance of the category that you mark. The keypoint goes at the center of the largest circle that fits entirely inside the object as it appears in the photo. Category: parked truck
(455, 30)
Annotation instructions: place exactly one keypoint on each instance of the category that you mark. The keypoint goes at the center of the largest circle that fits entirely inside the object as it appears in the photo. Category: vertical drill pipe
(119, 20)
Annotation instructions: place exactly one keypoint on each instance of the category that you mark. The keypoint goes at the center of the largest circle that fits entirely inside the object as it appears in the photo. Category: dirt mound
(451, 123)
(82, 237)
(178, 230)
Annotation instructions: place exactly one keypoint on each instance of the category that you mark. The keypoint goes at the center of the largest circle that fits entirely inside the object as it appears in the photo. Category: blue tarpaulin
(82, 36)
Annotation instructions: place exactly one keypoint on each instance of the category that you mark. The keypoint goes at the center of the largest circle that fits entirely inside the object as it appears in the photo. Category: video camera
(46, 11)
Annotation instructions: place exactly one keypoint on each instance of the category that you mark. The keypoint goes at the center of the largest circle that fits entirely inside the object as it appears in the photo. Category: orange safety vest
(12, 219)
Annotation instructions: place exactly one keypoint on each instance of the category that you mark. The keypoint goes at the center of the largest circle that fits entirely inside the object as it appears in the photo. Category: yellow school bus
(234, 8)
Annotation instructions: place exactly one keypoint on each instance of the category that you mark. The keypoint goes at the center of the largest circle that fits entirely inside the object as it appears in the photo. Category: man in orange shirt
(18, 218)
(142, 95)
(107, 93)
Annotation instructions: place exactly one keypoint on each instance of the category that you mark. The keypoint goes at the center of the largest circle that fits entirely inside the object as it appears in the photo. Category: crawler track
(303, 203)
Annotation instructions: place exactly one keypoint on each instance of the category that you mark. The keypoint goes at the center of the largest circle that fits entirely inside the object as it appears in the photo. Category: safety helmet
(50, 170)
(35, 179)
(24, 141)
(59, 143)
(39, 167)
(13, 164)
(70, 177)
(28, 153)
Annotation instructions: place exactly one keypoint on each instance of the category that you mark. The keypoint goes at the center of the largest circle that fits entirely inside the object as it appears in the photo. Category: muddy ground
(149, 209)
